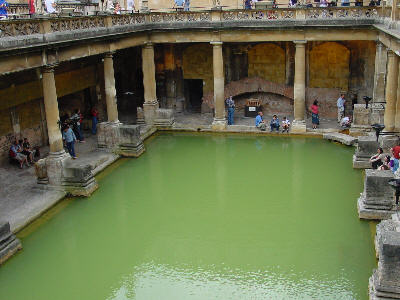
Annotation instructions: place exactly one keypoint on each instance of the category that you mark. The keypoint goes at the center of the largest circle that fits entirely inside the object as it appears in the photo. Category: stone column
(397, 115)
(150, 104)
(299, 124)
(109, 83)
(391, 90)
(380, 73)
(180, 90)
(51, 110)
(219, 122)
(394, 11)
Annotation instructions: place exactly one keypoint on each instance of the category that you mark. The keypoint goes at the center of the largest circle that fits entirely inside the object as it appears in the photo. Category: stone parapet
(366, 147)
(377, 200)
(121, 139)
(164, 118)
(78, 180)
(385, 280)
(9, 244)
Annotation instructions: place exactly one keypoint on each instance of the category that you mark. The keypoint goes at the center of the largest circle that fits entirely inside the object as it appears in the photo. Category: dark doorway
(194, 94)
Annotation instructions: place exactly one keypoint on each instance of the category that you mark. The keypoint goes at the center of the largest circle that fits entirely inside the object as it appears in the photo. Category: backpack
(11, 153)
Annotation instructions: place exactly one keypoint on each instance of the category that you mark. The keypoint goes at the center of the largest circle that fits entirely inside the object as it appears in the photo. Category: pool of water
(206, 217)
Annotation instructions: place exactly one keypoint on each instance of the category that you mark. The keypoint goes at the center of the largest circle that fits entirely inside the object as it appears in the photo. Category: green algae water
(206, 217)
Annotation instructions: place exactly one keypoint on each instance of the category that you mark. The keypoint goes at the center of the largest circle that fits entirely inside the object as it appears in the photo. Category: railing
(20, 27)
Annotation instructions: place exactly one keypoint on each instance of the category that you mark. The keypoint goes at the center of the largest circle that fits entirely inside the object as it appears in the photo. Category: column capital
(391, 53)
(148, 45)
(109, 54)
(49, 68)
(216, 44)
(300, 43)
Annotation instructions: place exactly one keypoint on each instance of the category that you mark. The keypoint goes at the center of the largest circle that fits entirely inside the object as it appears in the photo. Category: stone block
(78, 180)
(164, 118)
(377, 200)
(377, 113)
(361, 115)
(387, 142)
(366, 147)
(130, 143)
(149, 112)
(298, 127)
(9, 244)
(219, 125)
(341, 138)
(41, 171)
(140, 116)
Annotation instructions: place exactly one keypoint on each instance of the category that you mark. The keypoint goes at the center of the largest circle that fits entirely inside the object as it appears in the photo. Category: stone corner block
(219, 125)
(164, 117)
(9, 244)
(366, 147)
(298, 127)
(341, 138)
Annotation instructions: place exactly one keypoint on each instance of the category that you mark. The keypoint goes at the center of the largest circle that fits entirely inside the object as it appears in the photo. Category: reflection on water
(206, 217)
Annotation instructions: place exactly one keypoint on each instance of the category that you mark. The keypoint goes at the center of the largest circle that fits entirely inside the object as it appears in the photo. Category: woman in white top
(50, 6)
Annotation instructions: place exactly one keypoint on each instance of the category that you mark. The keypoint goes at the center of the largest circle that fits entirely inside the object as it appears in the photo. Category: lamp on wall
(367, 100)
(378, 128)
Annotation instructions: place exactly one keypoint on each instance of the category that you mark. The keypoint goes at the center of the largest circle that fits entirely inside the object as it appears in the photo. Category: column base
(149, 111)
(298, 126)
(180, 104)
(140, 116)
(164, 118)
(219, 124)
(54, 165)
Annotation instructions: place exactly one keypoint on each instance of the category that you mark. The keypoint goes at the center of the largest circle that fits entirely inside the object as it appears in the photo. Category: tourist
(178, 4)
(345, 122)
(394, 162)
(314, 114)
(77, 121)
(340, 106)
(323, 3)
(130, 5)
(308, 4)
(26, 151)
(285, 124)
(95, 119)
(186, 5)
(396, 151)
(231, 109)
(260, 122)
(345, 2)
(247, 4)
(117, 9)
(274, 124)
(50, 6)
(377, 159)
(3, 9)
(15, 153)
(69, 139)
(386, 163)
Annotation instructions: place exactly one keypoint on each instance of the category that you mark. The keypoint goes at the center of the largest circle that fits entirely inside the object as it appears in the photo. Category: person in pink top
(314, 114)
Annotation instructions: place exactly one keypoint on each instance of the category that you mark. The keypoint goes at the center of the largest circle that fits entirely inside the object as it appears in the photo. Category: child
(285, 125)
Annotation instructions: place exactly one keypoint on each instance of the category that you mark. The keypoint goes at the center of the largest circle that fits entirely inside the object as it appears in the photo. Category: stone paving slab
(341, 138)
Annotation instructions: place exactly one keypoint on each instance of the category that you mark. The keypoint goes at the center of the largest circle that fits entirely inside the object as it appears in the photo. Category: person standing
(31, 6)
(340, 106)
(69, 139)
(50, 6)
(77, 119)
(95, 119)
(3, 9)
(314, 114)
(186, 6)
(231, 109)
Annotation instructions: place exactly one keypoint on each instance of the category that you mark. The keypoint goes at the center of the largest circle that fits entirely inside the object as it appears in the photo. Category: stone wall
(267, 61)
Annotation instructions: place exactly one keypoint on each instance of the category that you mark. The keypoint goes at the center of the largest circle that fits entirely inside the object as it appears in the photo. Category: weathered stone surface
(361, 115)
(9, 244)
(140, 116)
(385, 281)
(366, 147)
(78, 180)
(298, 127)
(377, 113)
(341, 138)
(41, 171)
(164, 118)
(387, 142)
(377, 199)
(121, 139)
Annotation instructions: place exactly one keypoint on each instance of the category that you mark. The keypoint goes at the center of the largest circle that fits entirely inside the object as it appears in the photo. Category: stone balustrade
(265, 17)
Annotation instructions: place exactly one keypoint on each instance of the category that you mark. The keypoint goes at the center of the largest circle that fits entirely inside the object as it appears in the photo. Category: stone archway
(248, 86)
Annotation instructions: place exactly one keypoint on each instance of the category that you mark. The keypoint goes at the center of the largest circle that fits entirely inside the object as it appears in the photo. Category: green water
(206, 217)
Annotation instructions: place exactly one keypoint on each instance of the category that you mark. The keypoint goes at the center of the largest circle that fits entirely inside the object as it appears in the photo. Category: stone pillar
(391, 90)
(380, 73)
(144, 6)
(170, 84)
(394, 11)
(299, 124)
(150, 104)
(51, 109)
(219, 122)
(180, 89)
(109, 83)
(397, 115)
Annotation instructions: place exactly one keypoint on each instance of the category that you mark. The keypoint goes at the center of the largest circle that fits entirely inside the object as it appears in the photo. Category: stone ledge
(341, 138)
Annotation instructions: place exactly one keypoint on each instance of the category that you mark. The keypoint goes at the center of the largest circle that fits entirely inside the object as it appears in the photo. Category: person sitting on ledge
(345, 122)
(274, 123)
(394, 162)
(377, 159)
(285, 125)
(260, 121)
(386, 163)
(26, 152)
(15, 153)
